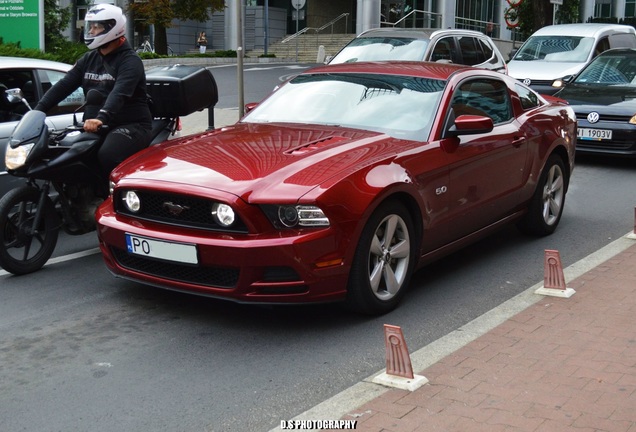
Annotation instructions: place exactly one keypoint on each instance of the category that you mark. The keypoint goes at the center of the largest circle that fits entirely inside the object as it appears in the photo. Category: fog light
(223, 214)
(133, 203)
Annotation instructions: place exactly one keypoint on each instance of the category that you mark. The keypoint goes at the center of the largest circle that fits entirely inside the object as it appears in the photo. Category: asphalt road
(83, 351)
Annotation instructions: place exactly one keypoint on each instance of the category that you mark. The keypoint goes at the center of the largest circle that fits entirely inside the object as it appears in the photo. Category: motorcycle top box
(180, 90)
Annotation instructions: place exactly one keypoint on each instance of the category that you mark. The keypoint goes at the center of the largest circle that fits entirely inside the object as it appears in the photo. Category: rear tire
(384, 260)
(21, 251)
(546, 206)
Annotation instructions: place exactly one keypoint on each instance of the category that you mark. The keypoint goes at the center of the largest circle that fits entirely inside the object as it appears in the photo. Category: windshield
(382, 48)
(574, 49)
(400, 106)
(609, 69)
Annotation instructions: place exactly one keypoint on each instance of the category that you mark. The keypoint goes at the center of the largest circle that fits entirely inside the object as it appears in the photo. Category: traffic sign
(298, 4)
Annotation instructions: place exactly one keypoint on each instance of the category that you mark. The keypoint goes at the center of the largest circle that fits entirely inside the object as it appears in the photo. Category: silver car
(34, 77)
(448, 45)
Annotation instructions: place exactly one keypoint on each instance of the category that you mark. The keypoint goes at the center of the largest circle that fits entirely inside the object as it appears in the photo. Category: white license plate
(594, 134)
(161, 249)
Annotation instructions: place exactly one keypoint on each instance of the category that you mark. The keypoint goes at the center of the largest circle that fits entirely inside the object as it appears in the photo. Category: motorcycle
(63, 185)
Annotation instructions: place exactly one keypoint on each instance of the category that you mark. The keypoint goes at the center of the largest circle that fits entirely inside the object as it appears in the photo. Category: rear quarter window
(624, 40)
(528, 98)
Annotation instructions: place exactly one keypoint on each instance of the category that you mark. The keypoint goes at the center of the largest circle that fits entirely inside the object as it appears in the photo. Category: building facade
(266, 21)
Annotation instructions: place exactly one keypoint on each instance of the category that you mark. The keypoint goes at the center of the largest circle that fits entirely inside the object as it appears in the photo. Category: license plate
(161, 249)
(594, 134)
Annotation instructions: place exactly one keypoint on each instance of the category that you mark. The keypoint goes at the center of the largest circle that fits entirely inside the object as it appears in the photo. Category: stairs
(307, 46)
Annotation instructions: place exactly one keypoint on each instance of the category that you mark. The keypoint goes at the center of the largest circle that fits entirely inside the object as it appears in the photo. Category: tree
(534, 14)
(56, 20)
(161, 13)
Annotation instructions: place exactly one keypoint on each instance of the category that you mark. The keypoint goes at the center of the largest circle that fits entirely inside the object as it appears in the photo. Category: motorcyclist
(113, 67)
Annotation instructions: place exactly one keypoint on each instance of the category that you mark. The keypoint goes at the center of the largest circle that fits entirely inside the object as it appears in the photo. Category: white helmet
(103, 23)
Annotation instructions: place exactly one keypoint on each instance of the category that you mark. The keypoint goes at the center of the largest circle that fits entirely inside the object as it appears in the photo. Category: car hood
(542, 70)
(259, 162)
(590, 97)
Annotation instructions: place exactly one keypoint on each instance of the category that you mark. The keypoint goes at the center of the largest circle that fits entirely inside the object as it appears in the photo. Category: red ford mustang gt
(340, 184)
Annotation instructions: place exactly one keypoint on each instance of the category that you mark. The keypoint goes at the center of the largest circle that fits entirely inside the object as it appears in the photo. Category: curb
(363, 392)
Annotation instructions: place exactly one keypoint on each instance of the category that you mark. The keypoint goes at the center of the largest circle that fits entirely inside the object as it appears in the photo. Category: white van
(560, 51)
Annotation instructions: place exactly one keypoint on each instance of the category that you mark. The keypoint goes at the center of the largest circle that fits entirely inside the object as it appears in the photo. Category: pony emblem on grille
(174, 209)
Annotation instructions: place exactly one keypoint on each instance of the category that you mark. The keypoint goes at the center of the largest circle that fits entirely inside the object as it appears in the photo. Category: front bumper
(623, 142)
(282, 267)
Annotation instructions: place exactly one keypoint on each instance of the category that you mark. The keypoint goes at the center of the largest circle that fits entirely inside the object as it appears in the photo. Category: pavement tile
(560, 365)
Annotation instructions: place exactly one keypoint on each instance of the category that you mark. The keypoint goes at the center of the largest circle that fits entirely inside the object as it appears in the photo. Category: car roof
(422, 33)
(434, 70)
(585, 29)
(25, 62)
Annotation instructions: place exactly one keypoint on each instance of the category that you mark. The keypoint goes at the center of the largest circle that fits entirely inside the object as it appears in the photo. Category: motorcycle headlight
(14, 158)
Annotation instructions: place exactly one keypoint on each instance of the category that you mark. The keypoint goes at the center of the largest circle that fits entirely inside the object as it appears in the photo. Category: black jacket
(119, 74)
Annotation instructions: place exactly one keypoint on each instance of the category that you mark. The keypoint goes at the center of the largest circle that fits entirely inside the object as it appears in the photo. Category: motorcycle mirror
(94, 98)
(15, 95)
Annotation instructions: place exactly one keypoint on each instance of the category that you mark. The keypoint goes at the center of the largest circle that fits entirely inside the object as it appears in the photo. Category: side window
(484, 97)
(528, 98)
(471, 52)
(10, 79)
(622, 40)
(486, 49)
(48, 78)
(601, 45)
(442, 51)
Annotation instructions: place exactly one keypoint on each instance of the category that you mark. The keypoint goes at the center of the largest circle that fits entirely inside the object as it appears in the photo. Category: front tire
(384, 260)
(546, 206)
(23, 251)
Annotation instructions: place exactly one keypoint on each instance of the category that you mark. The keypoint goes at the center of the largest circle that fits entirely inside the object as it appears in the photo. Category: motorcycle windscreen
(30, 127)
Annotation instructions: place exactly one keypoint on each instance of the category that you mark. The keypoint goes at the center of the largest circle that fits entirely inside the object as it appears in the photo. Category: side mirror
(470, 125)
(512, 53)
(250, 106)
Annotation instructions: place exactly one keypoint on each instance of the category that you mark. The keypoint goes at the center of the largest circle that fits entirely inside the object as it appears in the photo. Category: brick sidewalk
(560, 365)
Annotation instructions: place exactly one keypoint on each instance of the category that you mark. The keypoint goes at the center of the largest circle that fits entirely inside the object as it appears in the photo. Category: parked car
(603, 96)
(34, 77)
(340, 184)
(558, 52)
(451, 46)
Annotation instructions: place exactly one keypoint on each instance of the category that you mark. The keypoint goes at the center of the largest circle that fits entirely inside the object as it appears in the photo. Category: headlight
(557, 83)
(132, 201)
(223, 214)
(111, 187)
(14, 158)
(633, 120)
(292, 216)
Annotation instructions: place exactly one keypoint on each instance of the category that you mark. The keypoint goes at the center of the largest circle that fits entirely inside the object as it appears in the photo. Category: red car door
(487, 170)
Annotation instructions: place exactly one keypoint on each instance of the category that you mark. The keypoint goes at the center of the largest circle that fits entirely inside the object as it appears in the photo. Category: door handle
(517, 141)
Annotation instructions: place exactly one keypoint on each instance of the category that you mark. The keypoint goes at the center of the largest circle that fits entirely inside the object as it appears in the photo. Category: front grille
(604, 145)
(218, 277)
(605, 117)
(180, 210)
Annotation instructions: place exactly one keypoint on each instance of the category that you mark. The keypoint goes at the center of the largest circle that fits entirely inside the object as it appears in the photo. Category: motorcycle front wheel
(24, 249)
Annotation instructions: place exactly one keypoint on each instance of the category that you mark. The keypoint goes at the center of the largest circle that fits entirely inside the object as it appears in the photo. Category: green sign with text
(22, 22)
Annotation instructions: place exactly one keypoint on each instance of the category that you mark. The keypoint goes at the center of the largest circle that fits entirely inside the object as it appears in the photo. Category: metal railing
(315, 30)
(319, 29)
(478, 25)
(428, 20)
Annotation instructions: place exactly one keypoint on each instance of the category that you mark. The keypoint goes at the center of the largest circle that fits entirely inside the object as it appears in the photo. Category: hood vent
(316, 145)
